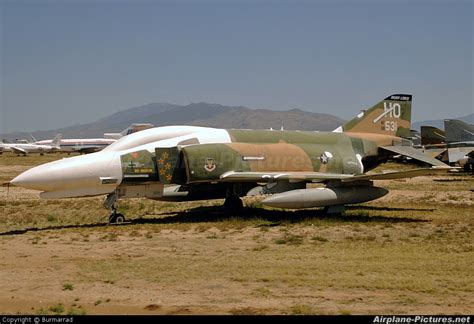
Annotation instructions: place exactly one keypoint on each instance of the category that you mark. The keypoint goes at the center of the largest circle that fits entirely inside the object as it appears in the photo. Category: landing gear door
(139, 166)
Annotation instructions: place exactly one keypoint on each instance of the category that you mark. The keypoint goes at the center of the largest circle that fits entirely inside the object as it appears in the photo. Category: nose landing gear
(116, 218)
(111, 203)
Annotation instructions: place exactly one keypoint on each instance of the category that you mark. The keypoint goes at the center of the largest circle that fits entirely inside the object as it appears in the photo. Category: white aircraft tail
(56, 142)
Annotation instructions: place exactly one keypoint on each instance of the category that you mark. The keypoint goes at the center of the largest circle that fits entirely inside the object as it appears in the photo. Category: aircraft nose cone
(71, 173)
(31, 179)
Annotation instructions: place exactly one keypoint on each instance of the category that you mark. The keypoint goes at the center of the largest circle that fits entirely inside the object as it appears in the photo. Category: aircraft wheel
(116, 219)
(119, 219)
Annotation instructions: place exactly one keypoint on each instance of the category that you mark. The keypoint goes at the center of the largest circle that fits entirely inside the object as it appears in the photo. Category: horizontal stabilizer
(18, 150)
(414, 154)
(457, 153)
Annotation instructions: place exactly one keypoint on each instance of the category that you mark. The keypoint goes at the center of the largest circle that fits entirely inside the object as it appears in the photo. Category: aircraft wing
(250, 176)
(233, 176)
(414, 154)
(18, 150)
(401, 174)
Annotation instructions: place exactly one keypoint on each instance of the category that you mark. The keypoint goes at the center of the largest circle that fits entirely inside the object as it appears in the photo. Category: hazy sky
(69, 62)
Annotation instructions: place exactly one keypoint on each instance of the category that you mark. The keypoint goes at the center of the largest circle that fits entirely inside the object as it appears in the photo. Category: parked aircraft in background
(433, 143)
(431, 135)
(454, 145)
(25, 148)
(81, 145)
(191, 163)
(415, 137)
(129, 130)
(460, 143)
(458, 132)
(90, 145)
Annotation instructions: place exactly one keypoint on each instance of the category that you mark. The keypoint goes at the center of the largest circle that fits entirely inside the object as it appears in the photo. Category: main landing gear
(111, 203)
(233, 203)
(232, 200)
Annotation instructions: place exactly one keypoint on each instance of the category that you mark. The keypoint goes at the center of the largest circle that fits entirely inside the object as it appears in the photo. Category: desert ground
(410, 252)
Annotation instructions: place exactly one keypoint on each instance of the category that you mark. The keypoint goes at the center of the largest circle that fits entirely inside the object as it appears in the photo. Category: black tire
(116, 219)
(119, 219)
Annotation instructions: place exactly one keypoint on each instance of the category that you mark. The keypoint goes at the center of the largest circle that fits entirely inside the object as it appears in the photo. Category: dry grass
(409, 252)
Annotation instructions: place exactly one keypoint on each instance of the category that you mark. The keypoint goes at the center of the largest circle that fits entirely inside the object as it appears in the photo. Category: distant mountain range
(439, 123)
(197, 114)
(205, 114)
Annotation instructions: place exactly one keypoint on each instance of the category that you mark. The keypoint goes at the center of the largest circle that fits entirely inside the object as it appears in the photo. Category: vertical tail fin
(458, 131)
(391, 116)
(431, 135)
(133, 128)
(56, 142)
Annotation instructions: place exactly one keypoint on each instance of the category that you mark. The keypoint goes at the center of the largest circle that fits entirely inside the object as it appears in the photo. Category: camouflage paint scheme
(453, 145)
(333, 153)
(352, 152)
(139, 165)
(460, 143)
(458, 131)
(259, 156)
(431, 135)
(391, 116)
(205, 163)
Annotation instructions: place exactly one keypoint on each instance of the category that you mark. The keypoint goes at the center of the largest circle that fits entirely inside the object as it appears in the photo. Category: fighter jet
(460, 143)
(431, 135)
(433, 143)
(191, 163)
(25, 148)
